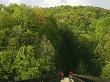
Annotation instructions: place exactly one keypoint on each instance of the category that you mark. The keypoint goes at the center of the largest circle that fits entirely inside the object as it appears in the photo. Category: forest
(37, 41)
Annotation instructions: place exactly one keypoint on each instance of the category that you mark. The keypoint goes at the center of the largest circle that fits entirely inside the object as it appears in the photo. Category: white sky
(51, 3)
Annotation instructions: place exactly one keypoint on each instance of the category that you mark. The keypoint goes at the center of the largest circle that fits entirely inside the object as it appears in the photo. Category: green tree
(26, 64)
(6, 65)
(106, 71)
(46, 56)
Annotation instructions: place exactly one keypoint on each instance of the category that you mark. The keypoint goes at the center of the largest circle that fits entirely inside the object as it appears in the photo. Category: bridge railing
(88, 78)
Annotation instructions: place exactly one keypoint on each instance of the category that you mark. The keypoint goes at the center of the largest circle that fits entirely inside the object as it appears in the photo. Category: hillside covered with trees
(43, 41)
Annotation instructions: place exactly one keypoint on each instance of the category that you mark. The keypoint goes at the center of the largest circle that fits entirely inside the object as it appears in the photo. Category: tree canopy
(42, 41)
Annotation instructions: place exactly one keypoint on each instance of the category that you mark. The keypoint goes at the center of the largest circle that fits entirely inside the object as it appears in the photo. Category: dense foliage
(42, 41)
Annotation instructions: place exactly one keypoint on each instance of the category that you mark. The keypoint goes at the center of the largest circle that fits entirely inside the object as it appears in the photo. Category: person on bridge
(61, 74)
(71, 72)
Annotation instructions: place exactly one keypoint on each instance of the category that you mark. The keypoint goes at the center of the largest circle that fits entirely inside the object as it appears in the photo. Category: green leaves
(106, 71)
(40, 41)
(6, 64)
(25, 63)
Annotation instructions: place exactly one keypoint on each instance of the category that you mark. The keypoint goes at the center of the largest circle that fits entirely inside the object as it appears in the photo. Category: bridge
(71, 78)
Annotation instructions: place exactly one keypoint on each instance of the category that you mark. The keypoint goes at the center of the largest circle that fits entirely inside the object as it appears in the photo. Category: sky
(52, 3)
